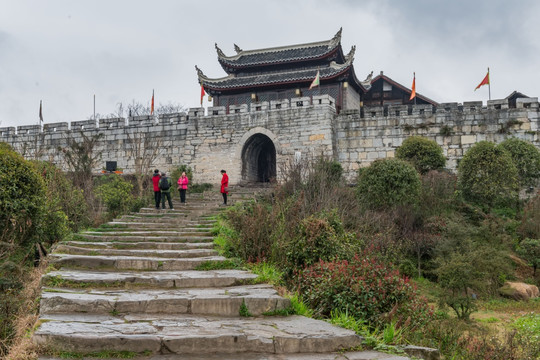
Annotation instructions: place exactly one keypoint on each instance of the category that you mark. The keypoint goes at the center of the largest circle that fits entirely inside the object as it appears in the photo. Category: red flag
(40, 113)
(484, 82)
(413, 92)
(202, 93)
(152, 106)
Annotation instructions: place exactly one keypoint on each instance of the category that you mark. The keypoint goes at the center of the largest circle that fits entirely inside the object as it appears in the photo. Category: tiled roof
(403, 88)
(304, 75)
(280, 55)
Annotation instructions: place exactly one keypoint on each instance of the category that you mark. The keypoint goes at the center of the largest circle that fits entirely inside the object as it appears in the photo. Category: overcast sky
(65, 51)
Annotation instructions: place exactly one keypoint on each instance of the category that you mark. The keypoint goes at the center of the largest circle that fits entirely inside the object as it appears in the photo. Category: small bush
(253, 224)
(116, 194)
(487, 176)
(320, 237)
(177, 172)
(389, 182)
(530, 221)
(365, 288)
(424, 154)
(526, 158)
(529, 249)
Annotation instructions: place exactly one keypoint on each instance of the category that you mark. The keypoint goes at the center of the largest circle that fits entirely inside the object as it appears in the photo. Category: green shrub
(366, 288)
(530, 221)
(22, 199)
(177, 172)
(456, 275)
(487, 175)
(389, 182)
(253, 224)
(529, 249)
(526, 158)
(116, 194)
(424, 154)
(319, 237)
(63, 196)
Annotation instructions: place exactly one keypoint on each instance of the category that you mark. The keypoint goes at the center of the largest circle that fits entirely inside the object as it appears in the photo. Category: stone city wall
(299, 128)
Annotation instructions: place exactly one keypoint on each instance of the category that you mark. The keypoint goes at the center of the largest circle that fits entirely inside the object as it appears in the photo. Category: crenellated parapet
(212, 138)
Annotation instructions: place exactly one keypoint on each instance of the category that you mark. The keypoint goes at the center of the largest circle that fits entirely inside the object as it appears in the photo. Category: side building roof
(382, 77)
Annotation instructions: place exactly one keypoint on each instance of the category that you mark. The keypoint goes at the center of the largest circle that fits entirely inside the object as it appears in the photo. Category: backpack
(164, 184)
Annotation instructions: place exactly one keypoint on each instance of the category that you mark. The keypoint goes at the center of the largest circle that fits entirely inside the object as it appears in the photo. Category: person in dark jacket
(224, 186)
(157, 191)
(165, 185)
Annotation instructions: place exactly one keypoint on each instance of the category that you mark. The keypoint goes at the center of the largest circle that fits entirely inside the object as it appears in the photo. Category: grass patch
(299, 307)
(105, 354)
(267, 273)
(58, 281)
(529, 325)
(507, 305)
(234, 263)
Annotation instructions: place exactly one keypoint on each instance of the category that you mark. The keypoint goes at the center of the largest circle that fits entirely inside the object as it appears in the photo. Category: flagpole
(94, 107)
(489, 85)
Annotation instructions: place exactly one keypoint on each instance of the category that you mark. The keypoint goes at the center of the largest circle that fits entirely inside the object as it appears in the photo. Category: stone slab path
(133, 285)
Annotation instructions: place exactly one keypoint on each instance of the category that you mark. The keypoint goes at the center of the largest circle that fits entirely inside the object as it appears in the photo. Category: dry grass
(22, 347)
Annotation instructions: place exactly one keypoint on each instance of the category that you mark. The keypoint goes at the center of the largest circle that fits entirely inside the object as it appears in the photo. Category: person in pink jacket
(182, 187)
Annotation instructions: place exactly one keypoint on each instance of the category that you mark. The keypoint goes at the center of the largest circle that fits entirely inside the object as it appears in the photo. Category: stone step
(151, 232)
(140, 245)
(347, 355)
(168, 220)
(132, 225)
(146, 263)
(172, 254)
(152, 279)
(190, 334)
(133, 238)
(259, 299)
(179, 210)
(158, 215)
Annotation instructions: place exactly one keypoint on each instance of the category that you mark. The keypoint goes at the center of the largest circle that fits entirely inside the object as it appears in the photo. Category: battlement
(220, 137)
(368, 112)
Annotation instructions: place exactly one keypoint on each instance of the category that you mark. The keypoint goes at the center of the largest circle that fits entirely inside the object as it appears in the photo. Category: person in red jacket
(157, 191)
(224, 186)
(182, 187)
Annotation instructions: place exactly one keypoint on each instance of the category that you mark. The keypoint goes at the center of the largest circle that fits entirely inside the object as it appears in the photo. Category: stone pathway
(133, 286)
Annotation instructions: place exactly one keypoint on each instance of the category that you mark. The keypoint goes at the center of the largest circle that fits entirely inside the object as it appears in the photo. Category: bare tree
(81, 158)
(144, 150)
(34, 149)
(136, 108)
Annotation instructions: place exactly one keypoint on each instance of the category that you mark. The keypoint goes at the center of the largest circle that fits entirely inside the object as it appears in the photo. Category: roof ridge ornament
(237, 49)
(367, 82)
(219, 52)
(200, 73)
(336, 39)
(350, 56)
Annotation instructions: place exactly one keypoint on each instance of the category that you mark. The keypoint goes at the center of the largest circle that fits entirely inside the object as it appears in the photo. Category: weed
(267, 273)
(299, 307)
(220, 265)
(244, 311)
(98, 355)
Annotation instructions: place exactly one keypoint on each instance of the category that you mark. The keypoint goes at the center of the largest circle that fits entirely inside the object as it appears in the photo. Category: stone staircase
(134, 286)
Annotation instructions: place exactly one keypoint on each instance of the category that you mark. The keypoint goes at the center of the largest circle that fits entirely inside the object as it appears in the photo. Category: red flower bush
(366, 288)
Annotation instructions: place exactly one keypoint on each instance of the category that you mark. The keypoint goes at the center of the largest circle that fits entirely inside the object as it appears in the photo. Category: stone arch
(258, 154)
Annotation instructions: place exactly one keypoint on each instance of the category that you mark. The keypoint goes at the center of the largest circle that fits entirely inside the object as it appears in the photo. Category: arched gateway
(258, 159)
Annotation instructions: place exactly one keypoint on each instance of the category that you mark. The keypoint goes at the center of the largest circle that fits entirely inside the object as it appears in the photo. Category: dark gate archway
(259, 159)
